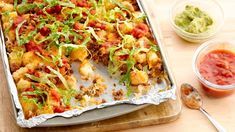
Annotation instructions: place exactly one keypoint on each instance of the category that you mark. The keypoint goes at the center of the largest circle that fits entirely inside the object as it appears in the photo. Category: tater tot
(138, 77)
(79, 54)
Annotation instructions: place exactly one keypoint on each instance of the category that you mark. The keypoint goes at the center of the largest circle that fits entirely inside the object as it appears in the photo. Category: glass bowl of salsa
(214, 66)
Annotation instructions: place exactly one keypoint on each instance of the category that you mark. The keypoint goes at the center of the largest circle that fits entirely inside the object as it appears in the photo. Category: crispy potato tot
(138, 77)
(6, 7)
(71, 80)
(17, 75)
(79, 54)
(23, 84)
(152, 59)
(128, 5)
(31, 57)
(29, 107)
(140, 57)
(86, 70)
(15, 58)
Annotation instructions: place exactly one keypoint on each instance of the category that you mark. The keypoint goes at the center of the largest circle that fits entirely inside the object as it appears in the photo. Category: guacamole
(193, 20)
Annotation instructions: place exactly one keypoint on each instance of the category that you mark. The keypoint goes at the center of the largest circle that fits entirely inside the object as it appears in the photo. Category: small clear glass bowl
(205, 48)
(211, 7)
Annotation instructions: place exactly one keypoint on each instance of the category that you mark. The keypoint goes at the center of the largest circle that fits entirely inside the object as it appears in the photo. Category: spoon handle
(213, 121)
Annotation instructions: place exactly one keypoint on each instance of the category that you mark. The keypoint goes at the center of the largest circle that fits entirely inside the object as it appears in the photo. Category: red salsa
(218, 67)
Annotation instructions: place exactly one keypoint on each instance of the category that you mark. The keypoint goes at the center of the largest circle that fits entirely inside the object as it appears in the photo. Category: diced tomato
(57, 79)
(71, 38)
(74, 1)
(82, 3)
(31, 27)
(46, 54)
(59, 18)
(65, 60)
(40, 12)
(66, 65)
(84, 14)
(47, 70)
(60, 29)
(45, 31)
(50, 10)
(143, 27)
(59, 109)
(62, 39)
(97, 25)
(119, 16)
(107, 45)
(92, 23)
(93, 12)
(21, 30)
(31, 96)
(62, 70)
(68, 107)
(39, 1)
(103, 26)
(124, 57)
(37, 74)
(30, 1)
(30, 71)
(78, 26)
(17, 21)
(140, 30)
(57, 8)
(55, 95)
(29, 89)
(32, 46)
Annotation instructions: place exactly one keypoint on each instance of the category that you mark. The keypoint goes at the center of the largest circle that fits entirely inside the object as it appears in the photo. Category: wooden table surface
(180, 55)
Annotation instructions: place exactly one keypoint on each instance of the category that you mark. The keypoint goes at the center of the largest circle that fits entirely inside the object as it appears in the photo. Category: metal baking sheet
(93, 114)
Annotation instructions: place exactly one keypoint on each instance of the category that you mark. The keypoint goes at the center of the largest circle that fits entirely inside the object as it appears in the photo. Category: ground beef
(118, 95)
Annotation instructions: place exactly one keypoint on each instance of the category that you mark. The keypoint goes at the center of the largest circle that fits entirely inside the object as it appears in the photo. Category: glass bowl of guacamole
(196, 20)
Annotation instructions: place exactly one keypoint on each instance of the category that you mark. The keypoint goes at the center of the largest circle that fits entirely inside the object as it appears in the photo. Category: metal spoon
(192, 99)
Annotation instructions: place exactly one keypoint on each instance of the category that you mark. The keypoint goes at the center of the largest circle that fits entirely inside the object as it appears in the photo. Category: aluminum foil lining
(157, 94)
